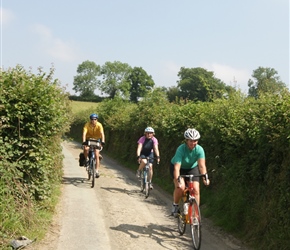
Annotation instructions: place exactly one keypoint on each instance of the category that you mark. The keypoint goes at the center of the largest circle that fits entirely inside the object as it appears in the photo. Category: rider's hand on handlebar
(103, 143)
(206, 180)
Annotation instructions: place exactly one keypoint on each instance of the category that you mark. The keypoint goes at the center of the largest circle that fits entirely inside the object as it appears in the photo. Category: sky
(228, 37)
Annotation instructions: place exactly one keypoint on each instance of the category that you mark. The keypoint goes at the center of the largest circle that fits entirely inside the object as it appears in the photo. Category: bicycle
(91, 164)
(189, 212)
(146, 177)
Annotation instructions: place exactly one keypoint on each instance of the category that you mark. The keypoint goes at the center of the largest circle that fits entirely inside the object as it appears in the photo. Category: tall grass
(78, 106)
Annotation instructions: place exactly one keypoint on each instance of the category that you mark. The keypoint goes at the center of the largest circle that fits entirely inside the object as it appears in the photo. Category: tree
(86, 81)
(115, 79)
(141, 83)
(265, 81)
(173, 94)
(198, 84)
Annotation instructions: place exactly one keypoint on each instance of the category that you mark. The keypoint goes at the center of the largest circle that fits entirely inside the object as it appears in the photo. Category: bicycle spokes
(195, 225)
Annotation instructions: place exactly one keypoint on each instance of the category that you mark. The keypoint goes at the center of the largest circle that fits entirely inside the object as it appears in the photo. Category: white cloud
(6, 16)
(56, 47)
(43, 31)
(237, 78)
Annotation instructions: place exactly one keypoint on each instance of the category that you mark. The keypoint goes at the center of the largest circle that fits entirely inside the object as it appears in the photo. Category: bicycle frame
(192, 216)
(92, 164)
(91, 168)
(190, 198)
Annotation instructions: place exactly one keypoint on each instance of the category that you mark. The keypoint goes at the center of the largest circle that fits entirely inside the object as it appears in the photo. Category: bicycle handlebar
(149, 158)
(191, 176)
(93, 143)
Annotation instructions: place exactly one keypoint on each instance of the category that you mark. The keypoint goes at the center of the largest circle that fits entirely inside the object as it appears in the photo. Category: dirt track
(115, 215)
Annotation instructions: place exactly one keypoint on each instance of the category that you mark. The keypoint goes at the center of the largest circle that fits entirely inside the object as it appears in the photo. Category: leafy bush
(34, 115)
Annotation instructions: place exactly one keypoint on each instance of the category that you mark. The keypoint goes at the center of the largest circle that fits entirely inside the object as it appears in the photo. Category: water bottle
(185, 208)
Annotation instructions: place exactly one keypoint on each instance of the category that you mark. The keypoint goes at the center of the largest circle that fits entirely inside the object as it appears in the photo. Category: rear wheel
(195, 225)
(93, 168)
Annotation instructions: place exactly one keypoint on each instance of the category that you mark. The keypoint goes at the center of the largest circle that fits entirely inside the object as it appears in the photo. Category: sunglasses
(93, 119)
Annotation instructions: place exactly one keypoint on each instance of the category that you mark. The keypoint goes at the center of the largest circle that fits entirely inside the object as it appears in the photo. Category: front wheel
(195, 225)
(142, 184)
(93, 168)
(181, 218)
(147, 181)
(89, 169)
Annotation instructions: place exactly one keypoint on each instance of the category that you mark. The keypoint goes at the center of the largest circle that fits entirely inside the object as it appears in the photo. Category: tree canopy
(86, 81)
(198, 84)
(115, 79)
(265, 81)
(141, 83)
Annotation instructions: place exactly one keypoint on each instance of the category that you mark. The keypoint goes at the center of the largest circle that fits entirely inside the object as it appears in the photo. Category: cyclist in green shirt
(189, 158)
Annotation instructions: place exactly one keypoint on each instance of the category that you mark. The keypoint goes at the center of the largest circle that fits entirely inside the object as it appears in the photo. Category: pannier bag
(81, 159)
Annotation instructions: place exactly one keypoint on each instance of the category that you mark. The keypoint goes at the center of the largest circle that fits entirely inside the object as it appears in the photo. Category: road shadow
(163, 235)
(136, 192)
(122, 190)
(77, 182)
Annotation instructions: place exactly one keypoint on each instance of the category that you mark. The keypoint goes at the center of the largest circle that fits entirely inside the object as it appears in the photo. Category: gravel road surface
(115, 214)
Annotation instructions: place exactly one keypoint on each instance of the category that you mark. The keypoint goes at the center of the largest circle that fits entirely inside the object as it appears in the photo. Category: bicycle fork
(147, 174)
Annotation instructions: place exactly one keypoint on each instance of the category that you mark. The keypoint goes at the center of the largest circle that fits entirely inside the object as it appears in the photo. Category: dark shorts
(194, 171)
(151, 155)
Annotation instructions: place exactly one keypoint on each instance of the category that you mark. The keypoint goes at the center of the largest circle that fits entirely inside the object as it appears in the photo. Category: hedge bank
(247, 144)
(34, 112)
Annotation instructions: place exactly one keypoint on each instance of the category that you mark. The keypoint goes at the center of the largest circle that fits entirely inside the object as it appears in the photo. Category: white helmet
(191, 134)
(149, 130)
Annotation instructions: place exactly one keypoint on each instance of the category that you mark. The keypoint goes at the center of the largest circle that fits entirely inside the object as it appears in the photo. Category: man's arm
(103, 137)
(84, 135)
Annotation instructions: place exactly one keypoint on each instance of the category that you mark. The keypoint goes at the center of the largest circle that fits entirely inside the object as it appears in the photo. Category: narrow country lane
(115, 214)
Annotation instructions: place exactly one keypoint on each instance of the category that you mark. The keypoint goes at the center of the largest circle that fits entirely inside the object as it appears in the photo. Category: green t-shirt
(186, 157)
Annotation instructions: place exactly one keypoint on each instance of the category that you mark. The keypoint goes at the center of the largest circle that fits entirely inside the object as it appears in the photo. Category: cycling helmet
(94, 116)
(191, 134)
(149, 130)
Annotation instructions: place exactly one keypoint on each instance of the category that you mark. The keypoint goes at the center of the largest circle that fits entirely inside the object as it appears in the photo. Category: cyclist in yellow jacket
(94, 130)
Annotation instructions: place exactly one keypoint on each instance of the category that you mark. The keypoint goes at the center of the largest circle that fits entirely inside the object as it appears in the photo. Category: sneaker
(97, 175)
(138, 174)
(174, 211)
(151, 186)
